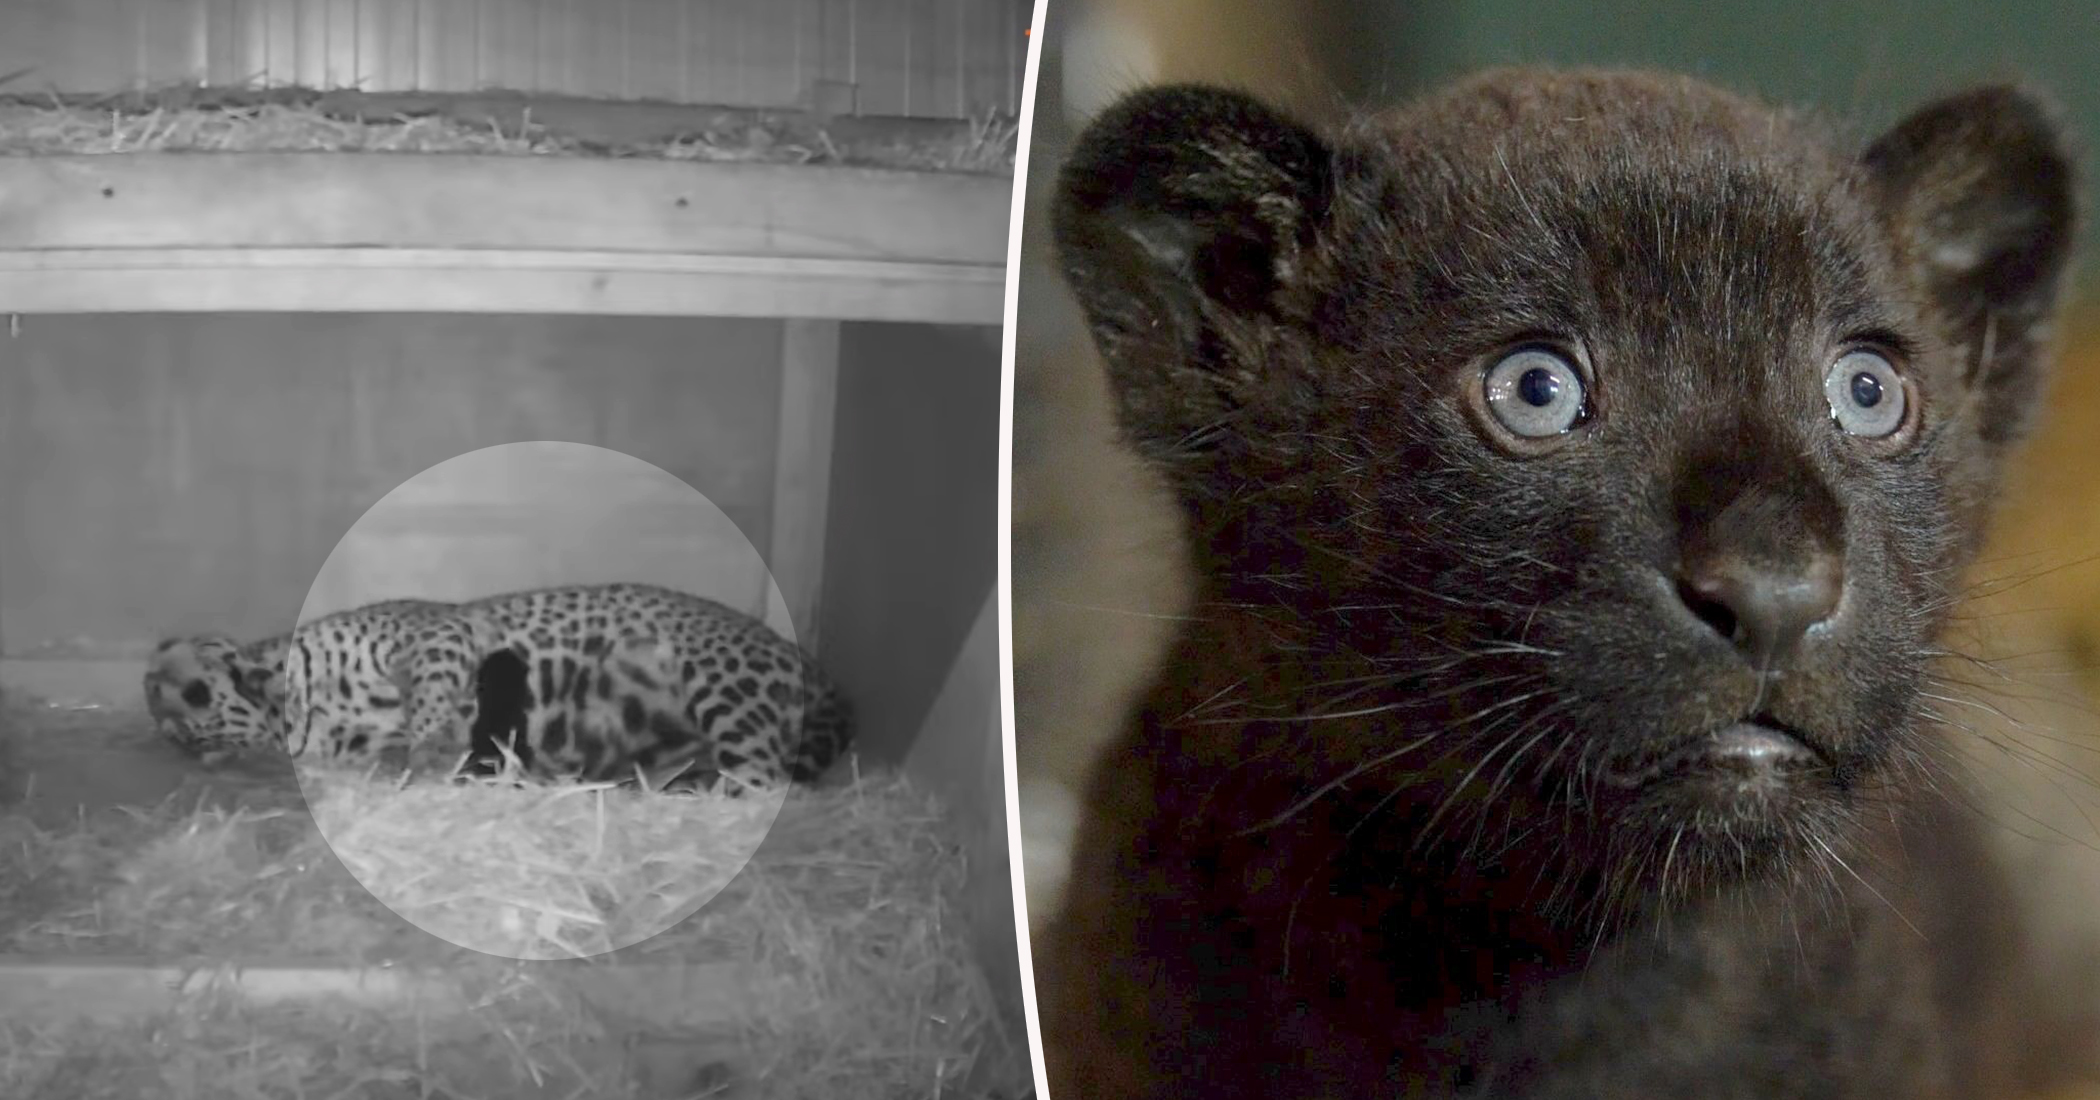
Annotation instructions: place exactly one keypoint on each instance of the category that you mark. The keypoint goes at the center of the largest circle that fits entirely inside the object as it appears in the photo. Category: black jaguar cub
(1579, 467)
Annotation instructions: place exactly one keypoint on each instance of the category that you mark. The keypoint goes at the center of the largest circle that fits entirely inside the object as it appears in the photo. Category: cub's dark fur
(502, 700)
(1591, 764)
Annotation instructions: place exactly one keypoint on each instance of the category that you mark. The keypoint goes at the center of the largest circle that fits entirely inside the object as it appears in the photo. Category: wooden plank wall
(959, 752)
(915, 58)
(912, 541)
(542, 513)
(193, 472)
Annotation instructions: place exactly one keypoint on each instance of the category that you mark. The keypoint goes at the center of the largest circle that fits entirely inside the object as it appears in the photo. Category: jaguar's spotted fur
(212, 694)
(614, 718)
(590, 680)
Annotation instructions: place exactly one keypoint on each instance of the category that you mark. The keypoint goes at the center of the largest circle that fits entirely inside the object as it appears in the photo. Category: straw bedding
(858, 972)
(297, 120)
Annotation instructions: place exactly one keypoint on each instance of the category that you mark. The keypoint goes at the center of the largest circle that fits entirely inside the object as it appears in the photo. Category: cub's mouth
(1739, 773)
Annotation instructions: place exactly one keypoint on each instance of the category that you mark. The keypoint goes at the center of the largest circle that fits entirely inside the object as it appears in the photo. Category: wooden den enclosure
(240, 319)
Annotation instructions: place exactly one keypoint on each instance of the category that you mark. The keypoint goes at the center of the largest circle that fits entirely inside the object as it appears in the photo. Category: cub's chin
(1738, 800)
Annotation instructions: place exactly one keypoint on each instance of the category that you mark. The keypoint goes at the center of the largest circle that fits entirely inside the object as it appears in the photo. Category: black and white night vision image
(499, 509)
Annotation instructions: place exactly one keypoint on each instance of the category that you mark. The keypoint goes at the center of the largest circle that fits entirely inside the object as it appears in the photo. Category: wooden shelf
(113, 989)
(368, 232)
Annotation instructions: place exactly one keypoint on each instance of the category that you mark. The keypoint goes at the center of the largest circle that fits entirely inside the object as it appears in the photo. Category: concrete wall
(912, 540)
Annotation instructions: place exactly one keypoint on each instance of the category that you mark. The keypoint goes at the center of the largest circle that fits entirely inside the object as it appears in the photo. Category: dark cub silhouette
(1579, 467)
(503, 702)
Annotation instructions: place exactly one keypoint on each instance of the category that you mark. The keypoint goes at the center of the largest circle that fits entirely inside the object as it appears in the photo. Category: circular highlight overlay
(549, 871)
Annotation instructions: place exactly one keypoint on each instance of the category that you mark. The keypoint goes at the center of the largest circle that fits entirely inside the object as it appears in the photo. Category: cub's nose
(1765, 609)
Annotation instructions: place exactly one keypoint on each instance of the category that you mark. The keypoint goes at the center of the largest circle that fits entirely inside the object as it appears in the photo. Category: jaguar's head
(211, 694)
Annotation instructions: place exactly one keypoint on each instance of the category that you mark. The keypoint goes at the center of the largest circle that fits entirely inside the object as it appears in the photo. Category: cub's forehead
(1579, 111)
(1538, 139)
(1562, 200)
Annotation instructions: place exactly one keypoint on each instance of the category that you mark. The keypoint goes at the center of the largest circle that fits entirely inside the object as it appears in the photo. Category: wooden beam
(692, 995)
(809, 381)
(111, 990)
(375, 232)
(525, 204)
(426, 280)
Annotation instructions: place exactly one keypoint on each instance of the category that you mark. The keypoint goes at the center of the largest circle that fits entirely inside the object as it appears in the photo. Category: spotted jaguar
(591, 681)
(213, 695)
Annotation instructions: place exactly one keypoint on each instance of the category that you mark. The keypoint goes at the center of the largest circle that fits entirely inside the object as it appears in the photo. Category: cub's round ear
(1978, 191)
(1183, 220)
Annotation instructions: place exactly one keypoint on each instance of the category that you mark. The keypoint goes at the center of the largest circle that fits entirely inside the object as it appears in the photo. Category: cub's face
(208, 696)
(1614, 445)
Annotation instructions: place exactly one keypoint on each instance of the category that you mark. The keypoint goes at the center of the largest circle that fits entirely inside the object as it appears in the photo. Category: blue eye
(1866, 394)
(1534, 393)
